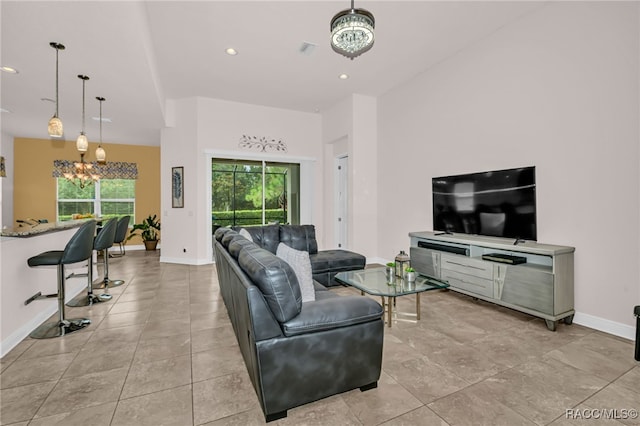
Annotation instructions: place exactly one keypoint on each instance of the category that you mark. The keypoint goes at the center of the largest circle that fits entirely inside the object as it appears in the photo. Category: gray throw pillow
(301, 265)
(246, 234)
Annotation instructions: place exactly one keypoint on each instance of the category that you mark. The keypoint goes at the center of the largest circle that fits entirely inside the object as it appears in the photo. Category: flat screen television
(500, 203)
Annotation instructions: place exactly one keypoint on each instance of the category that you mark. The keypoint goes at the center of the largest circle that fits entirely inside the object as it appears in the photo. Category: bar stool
(108, 242)
(102, 241)
(121, 232)
(78, 249)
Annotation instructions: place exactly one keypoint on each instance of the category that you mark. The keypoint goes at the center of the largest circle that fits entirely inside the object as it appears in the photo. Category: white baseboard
(18, 335)
(376, 260)
(607, 326)
(183, 261)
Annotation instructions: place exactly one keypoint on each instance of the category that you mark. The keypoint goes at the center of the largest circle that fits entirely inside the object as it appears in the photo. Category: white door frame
(341, 201)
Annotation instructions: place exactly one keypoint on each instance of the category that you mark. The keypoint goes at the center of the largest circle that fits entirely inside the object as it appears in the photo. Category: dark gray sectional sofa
(325, 263)
(295, 352)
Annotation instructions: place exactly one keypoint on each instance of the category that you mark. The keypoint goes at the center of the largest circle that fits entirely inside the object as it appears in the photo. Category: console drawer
(467, 282)
(465, 265)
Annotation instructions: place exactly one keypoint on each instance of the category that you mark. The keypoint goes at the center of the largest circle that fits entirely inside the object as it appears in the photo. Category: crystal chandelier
(352, 32)
(55, 128)
(82, 173)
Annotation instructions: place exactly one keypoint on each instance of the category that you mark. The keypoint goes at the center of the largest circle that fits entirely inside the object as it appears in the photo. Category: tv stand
(541, 284)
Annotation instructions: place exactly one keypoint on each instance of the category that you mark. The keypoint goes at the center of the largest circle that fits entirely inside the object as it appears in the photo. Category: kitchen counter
(19, 282)
(29, 230)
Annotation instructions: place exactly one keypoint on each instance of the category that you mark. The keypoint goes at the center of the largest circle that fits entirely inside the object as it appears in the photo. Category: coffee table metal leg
(418, 306)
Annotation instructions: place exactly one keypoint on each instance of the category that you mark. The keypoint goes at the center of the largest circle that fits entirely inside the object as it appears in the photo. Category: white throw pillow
(246, 234)
(301, 265)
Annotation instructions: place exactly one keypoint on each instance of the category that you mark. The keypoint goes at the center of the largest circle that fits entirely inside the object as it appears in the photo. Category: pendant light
(101, 155)
(352, 32)
(82, 144)
(55, 124)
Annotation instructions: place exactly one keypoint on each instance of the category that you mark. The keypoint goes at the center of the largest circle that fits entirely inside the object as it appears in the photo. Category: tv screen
(500, 203)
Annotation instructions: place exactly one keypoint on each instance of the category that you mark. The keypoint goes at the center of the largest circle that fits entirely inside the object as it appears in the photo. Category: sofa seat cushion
(336, 261)
(332, 312)
(275, 279)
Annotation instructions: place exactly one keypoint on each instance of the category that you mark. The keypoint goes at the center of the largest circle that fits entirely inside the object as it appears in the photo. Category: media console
(529, 277)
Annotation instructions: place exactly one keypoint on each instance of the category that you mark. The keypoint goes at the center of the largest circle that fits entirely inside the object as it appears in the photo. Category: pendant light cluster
(82, 173)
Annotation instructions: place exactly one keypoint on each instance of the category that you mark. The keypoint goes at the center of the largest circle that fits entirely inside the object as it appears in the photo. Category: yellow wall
(35, 188)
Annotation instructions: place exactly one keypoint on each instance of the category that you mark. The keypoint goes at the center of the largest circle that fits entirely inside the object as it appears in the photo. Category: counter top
(27, 230)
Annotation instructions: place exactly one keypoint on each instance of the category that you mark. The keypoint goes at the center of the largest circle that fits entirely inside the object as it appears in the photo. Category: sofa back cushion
(275, 279)
(299, 237)
(267, 237)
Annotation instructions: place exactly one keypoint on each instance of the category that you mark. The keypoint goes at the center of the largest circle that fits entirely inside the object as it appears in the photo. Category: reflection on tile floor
(162, 351)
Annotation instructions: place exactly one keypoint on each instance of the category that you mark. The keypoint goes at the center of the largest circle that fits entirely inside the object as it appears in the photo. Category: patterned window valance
(111, 170)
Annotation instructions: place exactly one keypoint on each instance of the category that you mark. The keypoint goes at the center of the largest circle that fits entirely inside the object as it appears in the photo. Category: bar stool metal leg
(90, 298)
(63, 326)
(106, 282)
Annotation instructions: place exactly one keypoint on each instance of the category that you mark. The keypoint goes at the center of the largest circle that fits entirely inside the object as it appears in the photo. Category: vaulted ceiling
(140, 53)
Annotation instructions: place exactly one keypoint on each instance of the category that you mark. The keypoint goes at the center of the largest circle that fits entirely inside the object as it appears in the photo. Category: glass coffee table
(374, 281)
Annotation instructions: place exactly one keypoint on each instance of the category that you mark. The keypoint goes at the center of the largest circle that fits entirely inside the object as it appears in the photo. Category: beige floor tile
(383, 403)
(421, 416)
(424, 379)
(472, 406)
(154, 376)
(21, 403)
(212, 338)
(84, 391)
(163, 348)
(597, 354)
(216, 362)
(96, 358)
(35, 370)
(133, 306)
(253, 417)
(329, 411)
(124, 319)
(168, 407)
(221, 397)
(541, 391)
(99, 415)
(68, 344)
(169, 327)
(619, 401)
(209, 320)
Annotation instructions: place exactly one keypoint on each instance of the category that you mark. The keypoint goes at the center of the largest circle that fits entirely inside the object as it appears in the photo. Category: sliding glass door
(246, 192)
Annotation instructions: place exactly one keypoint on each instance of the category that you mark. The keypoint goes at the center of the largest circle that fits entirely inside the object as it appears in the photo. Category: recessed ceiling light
(104, 119)
(343, 76)
(231, 51)
(10, 70)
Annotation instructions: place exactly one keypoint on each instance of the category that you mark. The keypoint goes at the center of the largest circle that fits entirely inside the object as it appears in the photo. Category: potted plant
(390, 272)
(149, 232)
(410, 274)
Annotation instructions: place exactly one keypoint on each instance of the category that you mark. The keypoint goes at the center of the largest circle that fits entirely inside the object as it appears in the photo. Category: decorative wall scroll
(177, 187)
(262, 144)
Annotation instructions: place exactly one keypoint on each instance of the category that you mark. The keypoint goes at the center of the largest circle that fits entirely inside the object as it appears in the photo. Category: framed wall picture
(177, 187)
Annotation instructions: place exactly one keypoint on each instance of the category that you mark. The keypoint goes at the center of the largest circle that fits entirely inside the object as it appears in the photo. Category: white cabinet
(541, 286)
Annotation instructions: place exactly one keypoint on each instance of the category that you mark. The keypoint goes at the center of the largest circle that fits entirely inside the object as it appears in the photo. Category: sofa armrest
(335, 312)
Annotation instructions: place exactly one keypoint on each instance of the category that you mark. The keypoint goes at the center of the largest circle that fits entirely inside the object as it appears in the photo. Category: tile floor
(163, 352)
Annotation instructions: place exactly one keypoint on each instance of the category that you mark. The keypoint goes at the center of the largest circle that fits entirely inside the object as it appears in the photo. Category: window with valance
(110, 170)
